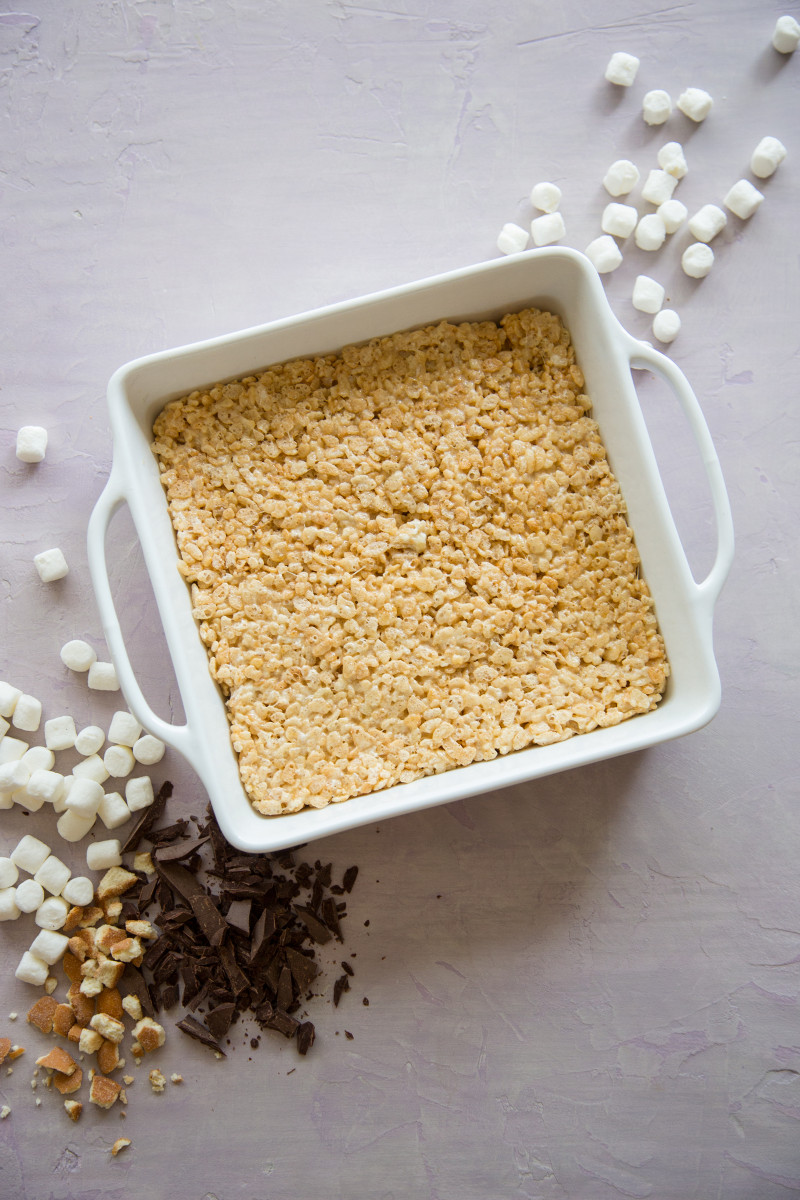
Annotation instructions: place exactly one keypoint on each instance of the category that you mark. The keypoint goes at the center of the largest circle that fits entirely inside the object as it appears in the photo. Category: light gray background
(581, 989)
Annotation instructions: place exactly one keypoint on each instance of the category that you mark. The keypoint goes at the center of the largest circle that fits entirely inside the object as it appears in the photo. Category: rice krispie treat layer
(406, 557)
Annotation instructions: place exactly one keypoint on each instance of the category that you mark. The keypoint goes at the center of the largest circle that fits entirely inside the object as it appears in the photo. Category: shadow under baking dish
(561, 281)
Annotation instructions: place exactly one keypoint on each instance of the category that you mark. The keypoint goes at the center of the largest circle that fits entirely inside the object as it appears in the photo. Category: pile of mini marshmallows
(650, 231)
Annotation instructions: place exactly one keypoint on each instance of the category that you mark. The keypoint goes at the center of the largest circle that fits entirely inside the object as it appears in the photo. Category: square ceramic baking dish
(560, 280)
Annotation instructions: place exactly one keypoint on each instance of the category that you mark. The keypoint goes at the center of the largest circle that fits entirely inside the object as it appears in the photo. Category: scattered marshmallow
(148, 750)
(8, 698)
(77, 655)
(29, 895)
(604, 254)
(89, 740)
(119, 761)
(4, 727)
(619, 219)
(79, 891)
(512, 238)
(101, 856)
(697, 260)
(113, 810)
(707, 222)
(13, 776)
(695, 104)
(85, 797)
(672, 159)
(32, 802)
(9, 909)
(9, 872)
(46, 786)
(648, 295)
(27, 713)
(546, 197)
(651, 232)
(666, 325)
(32, 969)
(49, 946)
(767, 157)
(139, 792)
(621, 177)
(547, 229)
(124, 729)
(743, 199)
(39, 758)
(673, 213)
(786, 36)
(51, 565)
(31, 443)
(72, 827)
(12, 749)
(622, 68)
(656, 107)
(103, 677)
(52, 913)
(91, 767)
(53, 875)
(659, 186)
(29, 854)
(59, 733)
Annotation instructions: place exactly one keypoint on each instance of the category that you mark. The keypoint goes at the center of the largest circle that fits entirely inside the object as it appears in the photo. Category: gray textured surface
(586, 988)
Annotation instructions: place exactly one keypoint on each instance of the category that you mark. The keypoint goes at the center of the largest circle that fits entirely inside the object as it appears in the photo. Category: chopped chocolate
(348, 1035)
(331, 917)
(341, 985)
(283, 1023)
(147, 819)
(345, 965)
(176, 851)
(209, 918)
(305, 1037)
(304, 970)
(318, 931)
(198, 1031)
(349, 878)
(284, 994)
(237, 979)
(219, 1019)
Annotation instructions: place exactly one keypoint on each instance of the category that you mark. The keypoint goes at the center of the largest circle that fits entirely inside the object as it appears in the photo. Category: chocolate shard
(283, 1023)
(176, 851)
(304, 970)
(148, 818)
(349, 878)
(219, 1019)
(341, 985)
(236, 977)
(209, 918)
(195, 1029)
(331, 917)
(305, 1037)
(284, 994)
(182, 882)
(316, 929)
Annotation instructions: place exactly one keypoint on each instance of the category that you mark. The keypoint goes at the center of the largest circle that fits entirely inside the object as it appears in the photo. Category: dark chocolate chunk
(237, 979)
(284, 993)
(345, 965)
(198, 1031)
(219, 1019)
(148, 818)
(304, 970)
(283, 1023)
(176, 851)
(349, 878)
(305, 1037)
(341, 985)
(209, 918)
(318, 931)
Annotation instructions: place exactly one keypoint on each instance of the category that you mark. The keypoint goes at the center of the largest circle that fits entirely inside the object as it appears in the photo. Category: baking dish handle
(111, 498)
(644, 356)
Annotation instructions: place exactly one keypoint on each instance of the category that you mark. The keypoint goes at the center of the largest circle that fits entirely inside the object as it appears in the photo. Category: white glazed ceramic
(560, 280)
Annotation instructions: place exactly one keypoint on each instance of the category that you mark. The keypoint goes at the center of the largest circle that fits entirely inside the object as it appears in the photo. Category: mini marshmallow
(648, 295)
(767, 157)
(547, 229)
(91, 767)
(546, 197)
(51, 913)
(12, 749)
(119, 761)
(100, 856)
(60, 804)
(27, 713)
(53, 875)
(73, 827)
(79, 891)
(139, 792)
(124, 729)
(4, 727)
(39, 758)
(148, 750)
(707, 222)
(30, 802)
(659, 186)
(49, 946)
(786, 36)
(697, 260)
(8, 698)
(621, 177)
(29, 854)
(656, 107)
(9, 872)
(743, 199)
(9, 909)
(32, 969)
(113, 810)
(512, 239)
(651, 232)
(619, 219)
(622, 68)
(666, 325)
(103, 677)
(673, 214)
(695, 104)
(46, 786)
(31, 443)
(51, 565)
(672, 159)
(89, 740)
(77, 655)
(59, 733)
(85, 797)
(604, 254)
(29, 895)
(13, 776)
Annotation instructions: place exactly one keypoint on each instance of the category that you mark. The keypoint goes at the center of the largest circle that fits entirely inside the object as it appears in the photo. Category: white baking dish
(560, 280)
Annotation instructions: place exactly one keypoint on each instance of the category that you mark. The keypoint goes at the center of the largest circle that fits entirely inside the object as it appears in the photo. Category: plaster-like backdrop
(579, 989)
